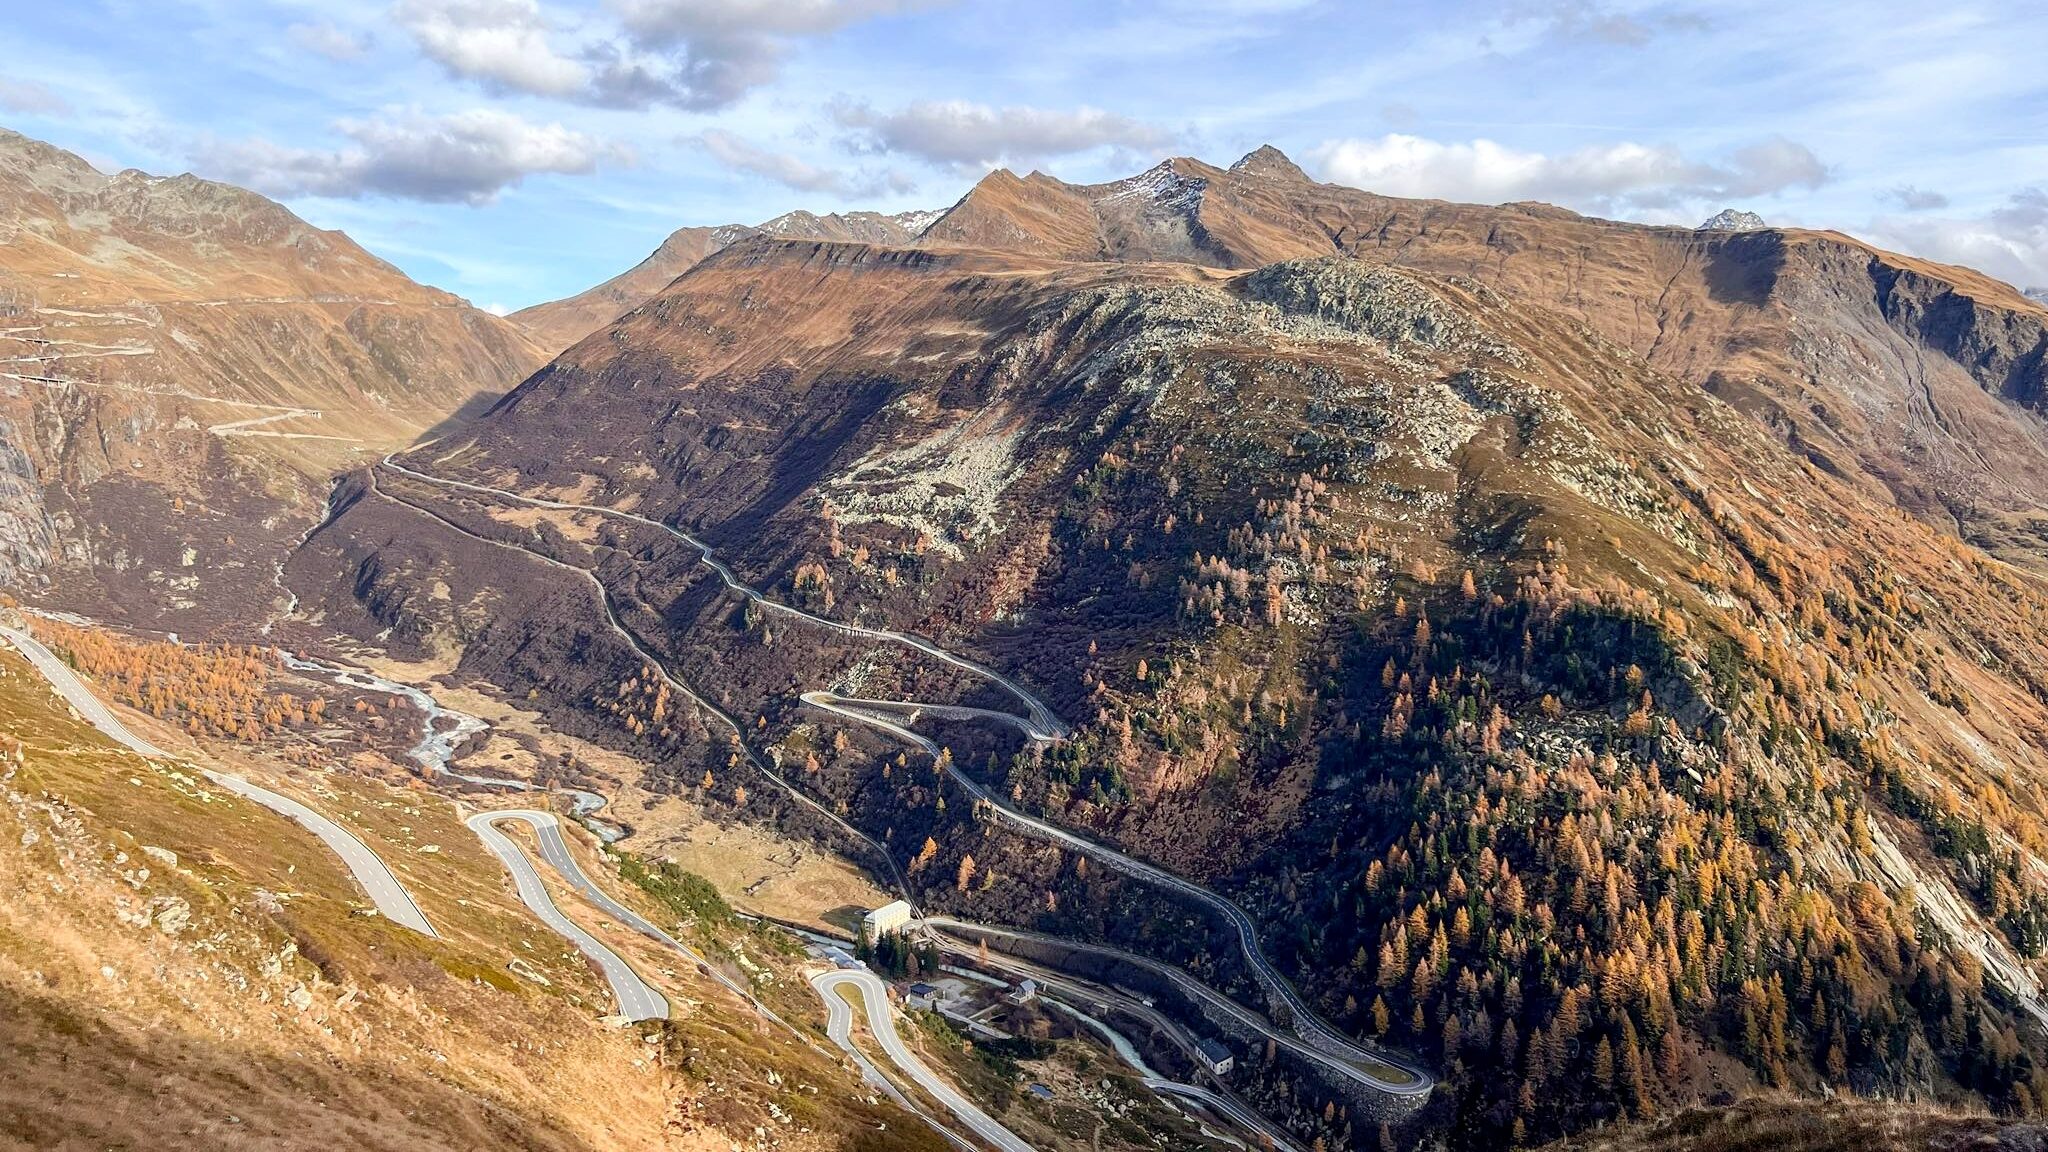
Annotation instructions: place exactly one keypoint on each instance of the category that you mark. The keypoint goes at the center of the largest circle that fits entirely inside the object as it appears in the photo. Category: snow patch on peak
(915, 222)
(1266, 160)
(1163, 185)
(795, 225)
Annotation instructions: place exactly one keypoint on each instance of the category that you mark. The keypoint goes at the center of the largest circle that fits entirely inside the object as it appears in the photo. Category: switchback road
(1039, 724)
(874, 997)
(638, 1000)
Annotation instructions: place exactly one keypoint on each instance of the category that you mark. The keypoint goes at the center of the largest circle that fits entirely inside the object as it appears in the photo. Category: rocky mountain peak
(723, 235)
(41, 180)
(1165, 184)
(1730, 220)
(1270, 162)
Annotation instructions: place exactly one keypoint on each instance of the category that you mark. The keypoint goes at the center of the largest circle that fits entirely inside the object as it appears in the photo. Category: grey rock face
(25, 532)
(1730, 220)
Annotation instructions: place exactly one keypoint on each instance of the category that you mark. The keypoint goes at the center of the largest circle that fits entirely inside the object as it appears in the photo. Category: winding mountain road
(1375, 1071)
(1057, 989)
(1040, 724)
(385, 892)
(1275, 1137)
(874, 997)
(638, 1000)
(1351, 1060)
(640, 649)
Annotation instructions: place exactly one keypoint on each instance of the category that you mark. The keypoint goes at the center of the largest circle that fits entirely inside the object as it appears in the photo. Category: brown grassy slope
(210, 276)
(1815, 334)
(233, 999)
(558, 324)
(1812, 333)
(155, 1005)
(1679, 632)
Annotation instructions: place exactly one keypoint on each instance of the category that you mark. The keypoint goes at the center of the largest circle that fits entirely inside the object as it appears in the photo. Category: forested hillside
(1559, 723)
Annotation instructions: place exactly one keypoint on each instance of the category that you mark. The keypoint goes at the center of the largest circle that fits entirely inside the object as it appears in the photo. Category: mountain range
(1500, 672)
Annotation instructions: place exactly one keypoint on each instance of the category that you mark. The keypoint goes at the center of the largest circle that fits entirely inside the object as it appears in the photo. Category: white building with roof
(1216, 1056)
(894, 916)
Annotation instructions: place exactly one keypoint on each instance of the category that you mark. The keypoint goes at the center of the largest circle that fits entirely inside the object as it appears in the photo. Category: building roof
(890, 910)
(922, 989)
(1214, 1051)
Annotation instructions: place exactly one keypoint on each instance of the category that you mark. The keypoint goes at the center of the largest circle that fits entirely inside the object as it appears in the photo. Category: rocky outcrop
(1731, 220)
(25, 530)
(558, 324)
(2002, 348)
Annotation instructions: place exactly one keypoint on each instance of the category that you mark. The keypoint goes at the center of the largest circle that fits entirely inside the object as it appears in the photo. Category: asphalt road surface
(754, 760)
(385, 892)
(638, 1000)
(1381, 1073)
(882, 1024)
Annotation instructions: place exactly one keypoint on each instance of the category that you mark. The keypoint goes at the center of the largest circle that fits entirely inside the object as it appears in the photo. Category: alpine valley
(1319, 670)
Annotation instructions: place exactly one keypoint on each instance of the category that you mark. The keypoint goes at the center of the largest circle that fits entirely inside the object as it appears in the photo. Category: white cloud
(468, 157)
(1914, 199)
(724, 48)
(502, 44)
(328, 40)
(694, 54)
(1597, 177)
(2009, 242)
(964, 135)
(674, 22)
(794, 172)
(780, 167)
(28, 98)
(1588, 21)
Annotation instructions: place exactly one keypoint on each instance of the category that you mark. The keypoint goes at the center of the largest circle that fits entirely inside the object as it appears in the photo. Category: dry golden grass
(235, 999)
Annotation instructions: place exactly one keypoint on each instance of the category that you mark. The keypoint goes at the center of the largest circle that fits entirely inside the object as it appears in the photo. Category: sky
(515, 151)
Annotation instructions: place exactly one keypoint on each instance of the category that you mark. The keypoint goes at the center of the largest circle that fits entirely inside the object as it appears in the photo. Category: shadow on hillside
(472, 410)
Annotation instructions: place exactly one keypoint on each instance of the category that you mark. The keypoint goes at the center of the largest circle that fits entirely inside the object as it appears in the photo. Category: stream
(439, 741)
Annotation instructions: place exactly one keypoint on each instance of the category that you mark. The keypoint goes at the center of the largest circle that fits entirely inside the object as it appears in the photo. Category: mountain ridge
(1953, 449)
(1599, 665)
(561, 323)
(186, 361)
